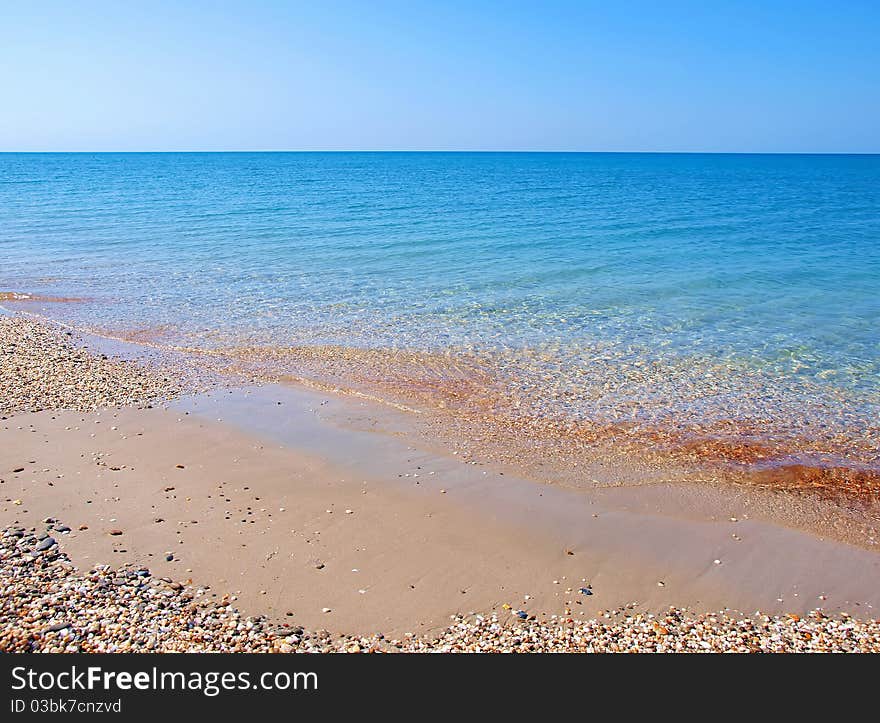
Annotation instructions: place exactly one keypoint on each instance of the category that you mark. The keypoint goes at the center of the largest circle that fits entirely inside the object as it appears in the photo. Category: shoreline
(816, 484)
(461, 402)
(467, 539)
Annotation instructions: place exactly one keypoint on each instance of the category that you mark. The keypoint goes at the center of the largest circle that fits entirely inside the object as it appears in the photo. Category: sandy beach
(284, 518)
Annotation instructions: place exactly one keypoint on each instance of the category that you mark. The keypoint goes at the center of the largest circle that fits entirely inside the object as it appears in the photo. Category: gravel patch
(676, 631)
(42, 368)
(47, 605)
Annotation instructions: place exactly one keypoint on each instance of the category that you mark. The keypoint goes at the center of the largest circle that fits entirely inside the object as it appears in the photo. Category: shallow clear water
(770, 263)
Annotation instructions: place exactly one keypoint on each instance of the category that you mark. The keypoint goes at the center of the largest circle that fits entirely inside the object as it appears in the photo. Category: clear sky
(554, 75)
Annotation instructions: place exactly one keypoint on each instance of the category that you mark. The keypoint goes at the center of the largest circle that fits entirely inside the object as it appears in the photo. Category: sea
(725, 294)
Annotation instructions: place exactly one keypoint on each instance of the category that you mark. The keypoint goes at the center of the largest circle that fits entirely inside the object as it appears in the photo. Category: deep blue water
(769, 261)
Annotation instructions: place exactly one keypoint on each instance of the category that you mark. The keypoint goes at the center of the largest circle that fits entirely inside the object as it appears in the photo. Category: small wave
(23, 296)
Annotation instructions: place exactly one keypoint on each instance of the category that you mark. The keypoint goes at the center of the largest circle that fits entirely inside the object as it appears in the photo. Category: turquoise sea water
(763, 263)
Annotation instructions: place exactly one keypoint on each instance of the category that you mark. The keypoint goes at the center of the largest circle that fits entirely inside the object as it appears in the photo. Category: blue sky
(604, 76)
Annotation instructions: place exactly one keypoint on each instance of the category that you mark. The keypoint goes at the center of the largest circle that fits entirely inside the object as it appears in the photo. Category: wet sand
(294, 510)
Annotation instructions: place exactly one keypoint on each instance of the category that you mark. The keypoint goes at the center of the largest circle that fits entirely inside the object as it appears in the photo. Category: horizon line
(457, 150)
